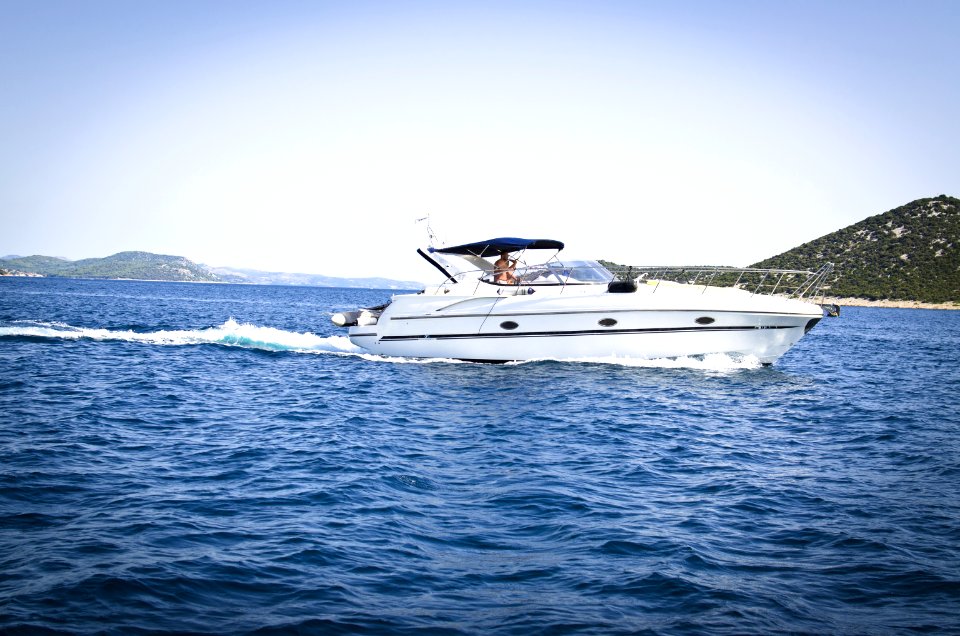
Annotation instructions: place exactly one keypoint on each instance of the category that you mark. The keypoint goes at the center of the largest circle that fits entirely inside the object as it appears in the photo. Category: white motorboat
(573, 309)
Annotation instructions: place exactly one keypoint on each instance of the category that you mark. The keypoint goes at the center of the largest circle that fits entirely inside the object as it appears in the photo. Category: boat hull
(506, 329)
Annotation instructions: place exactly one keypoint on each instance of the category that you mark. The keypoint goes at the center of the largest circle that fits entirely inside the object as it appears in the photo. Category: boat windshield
(565, 272)
(462, 267)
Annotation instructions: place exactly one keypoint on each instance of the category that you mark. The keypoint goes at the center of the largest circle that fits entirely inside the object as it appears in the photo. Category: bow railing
(793, 283)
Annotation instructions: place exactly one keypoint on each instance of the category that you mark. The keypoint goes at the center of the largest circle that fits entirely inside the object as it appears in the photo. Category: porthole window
(705, 320)
(607, 322)
(508, 324)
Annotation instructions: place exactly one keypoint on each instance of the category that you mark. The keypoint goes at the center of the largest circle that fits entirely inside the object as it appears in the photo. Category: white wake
(233, 333)
(709, 362)
(230, 333)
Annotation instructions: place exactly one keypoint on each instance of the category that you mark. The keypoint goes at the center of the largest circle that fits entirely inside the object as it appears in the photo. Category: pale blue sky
(308, 136)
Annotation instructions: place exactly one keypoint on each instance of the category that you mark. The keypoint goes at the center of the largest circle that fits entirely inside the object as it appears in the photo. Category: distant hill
(148, 266)
(134, 265)
(908, 253)
(44, 265)
(238, 275)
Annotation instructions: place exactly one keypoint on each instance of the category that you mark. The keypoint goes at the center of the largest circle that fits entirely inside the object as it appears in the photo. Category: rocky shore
(899, 304)
(7, 272)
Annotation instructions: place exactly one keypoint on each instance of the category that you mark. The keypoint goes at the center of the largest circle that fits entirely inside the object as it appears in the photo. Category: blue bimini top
(497, 245)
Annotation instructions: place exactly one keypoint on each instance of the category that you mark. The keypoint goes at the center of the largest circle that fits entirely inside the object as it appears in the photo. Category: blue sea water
(219, 459)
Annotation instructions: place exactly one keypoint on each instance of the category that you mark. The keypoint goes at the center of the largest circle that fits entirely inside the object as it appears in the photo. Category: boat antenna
(431, 236)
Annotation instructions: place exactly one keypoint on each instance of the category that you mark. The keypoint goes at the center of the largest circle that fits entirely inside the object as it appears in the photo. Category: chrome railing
(793, 283)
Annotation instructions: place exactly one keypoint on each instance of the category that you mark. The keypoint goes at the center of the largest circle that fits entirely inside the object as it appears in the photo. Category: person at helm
(503, 269)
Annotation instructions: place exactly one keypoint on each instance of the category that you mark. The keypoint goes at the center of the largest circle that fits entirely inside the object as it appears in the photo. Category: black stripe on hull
(589, 332)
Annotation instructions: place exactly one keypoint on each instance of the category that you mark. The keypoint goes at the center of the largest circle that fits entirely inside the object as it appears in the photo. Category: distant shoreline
(206, 282)
(896, 304)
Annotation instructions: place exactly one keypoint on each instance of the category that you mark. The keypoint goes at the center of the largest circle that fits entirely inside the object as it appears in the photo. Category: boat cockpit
(475, 261)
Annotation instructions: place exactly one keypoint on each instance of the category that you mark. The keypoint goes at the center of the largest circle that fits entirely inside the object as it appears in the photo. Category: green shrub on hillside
(909, 253)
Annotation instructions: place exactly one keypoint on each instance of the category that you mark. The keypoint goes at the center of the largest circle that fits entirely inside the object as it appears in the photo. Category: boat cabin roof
(495, 246)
